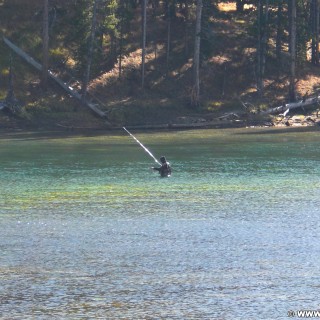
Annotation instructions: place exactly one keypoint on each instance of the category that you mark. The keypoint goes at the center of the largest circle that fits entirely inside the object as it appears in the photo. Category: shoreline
(7, 133)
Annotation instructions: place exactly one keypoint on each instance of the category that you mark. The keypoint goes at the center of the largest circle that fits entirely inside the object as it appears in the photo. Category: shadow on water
(76, 133)
(280, 130)
(47, 135)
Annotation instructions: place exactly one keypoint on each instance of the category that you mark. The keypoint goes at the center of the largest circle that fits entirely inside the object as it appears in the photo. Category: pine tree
(90, 50)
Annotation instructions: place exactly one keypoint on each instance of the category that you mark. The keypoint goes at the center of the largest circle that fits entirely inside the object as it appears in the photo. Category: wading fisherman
(165, 169)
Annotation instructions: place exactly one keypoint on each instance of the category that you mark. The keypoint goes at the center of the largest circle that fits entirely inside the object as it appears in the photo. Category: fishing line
(143, 147)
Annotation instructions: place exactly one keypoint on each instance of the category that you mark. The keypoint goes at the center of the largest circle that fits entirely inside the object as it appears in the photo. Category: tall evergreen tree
(302, 30)
(111, 23)
(77, 37)
(208, 7)
(124, 16)
(90, 50)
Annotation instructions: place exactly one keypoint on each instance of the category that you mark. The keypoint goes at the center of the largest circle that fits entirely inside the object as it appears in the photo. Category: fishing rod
(143, 147)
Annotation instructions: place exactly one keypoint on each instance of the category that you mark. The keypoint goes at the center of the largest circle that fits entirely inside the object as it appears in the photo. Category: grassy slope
(226, 76)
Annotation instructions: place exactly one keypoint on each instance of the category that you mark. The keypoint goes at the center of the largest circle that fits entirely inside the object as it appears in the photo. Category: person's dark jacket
(165, 169)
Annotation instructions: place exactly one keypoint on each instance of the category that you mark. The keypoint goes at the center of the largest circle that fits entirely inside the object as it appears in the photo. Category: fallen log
(285, 108)
(74, 93)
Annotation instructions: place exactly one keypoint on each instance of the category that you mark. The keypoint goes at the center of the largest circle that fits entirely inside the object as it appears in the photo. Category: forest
(139, 62)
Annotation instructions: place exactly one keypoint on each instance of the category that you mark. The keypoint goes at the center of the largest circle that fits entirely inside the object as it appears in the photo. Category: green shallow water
(90, 232)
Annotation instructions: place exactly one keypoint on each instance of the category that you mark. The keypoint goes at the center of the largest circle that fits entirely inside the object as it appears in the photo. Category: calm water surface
(88, 231)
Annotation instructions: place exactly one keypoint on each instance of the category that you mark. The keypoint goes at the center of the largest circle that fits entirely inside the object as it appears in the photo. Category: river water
(88, 231)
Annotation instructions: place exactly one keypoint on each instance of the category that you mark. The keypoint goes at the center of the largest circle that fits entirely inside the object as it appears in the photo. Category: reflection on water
(90, 232)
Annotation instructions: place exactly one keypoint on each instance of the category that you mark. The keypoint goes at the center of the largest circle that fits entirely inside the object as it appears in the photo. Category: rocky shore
(194, 121)
(297, 120)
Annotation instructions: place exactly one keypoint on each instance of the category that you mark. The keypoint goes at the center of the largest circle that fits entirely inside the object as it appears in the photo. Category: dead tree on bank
(93, 106)
(285, 108)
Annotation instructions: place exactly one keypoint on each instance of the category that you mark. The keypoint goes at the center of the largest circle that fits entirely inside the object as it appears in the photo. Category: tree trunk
(263, 17)
(259, 49)
(186, 35)
(120, 48)
(120, 51)
(304, 103)
(45, 45)
(316, 31)
(90, 52)
(314, 12)
(196, 58)
(144, 32)
(264, 38)
(292, 49)
(10, 94)
(65, 86)
(279, 30)
(168, 39)
(240, 5)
